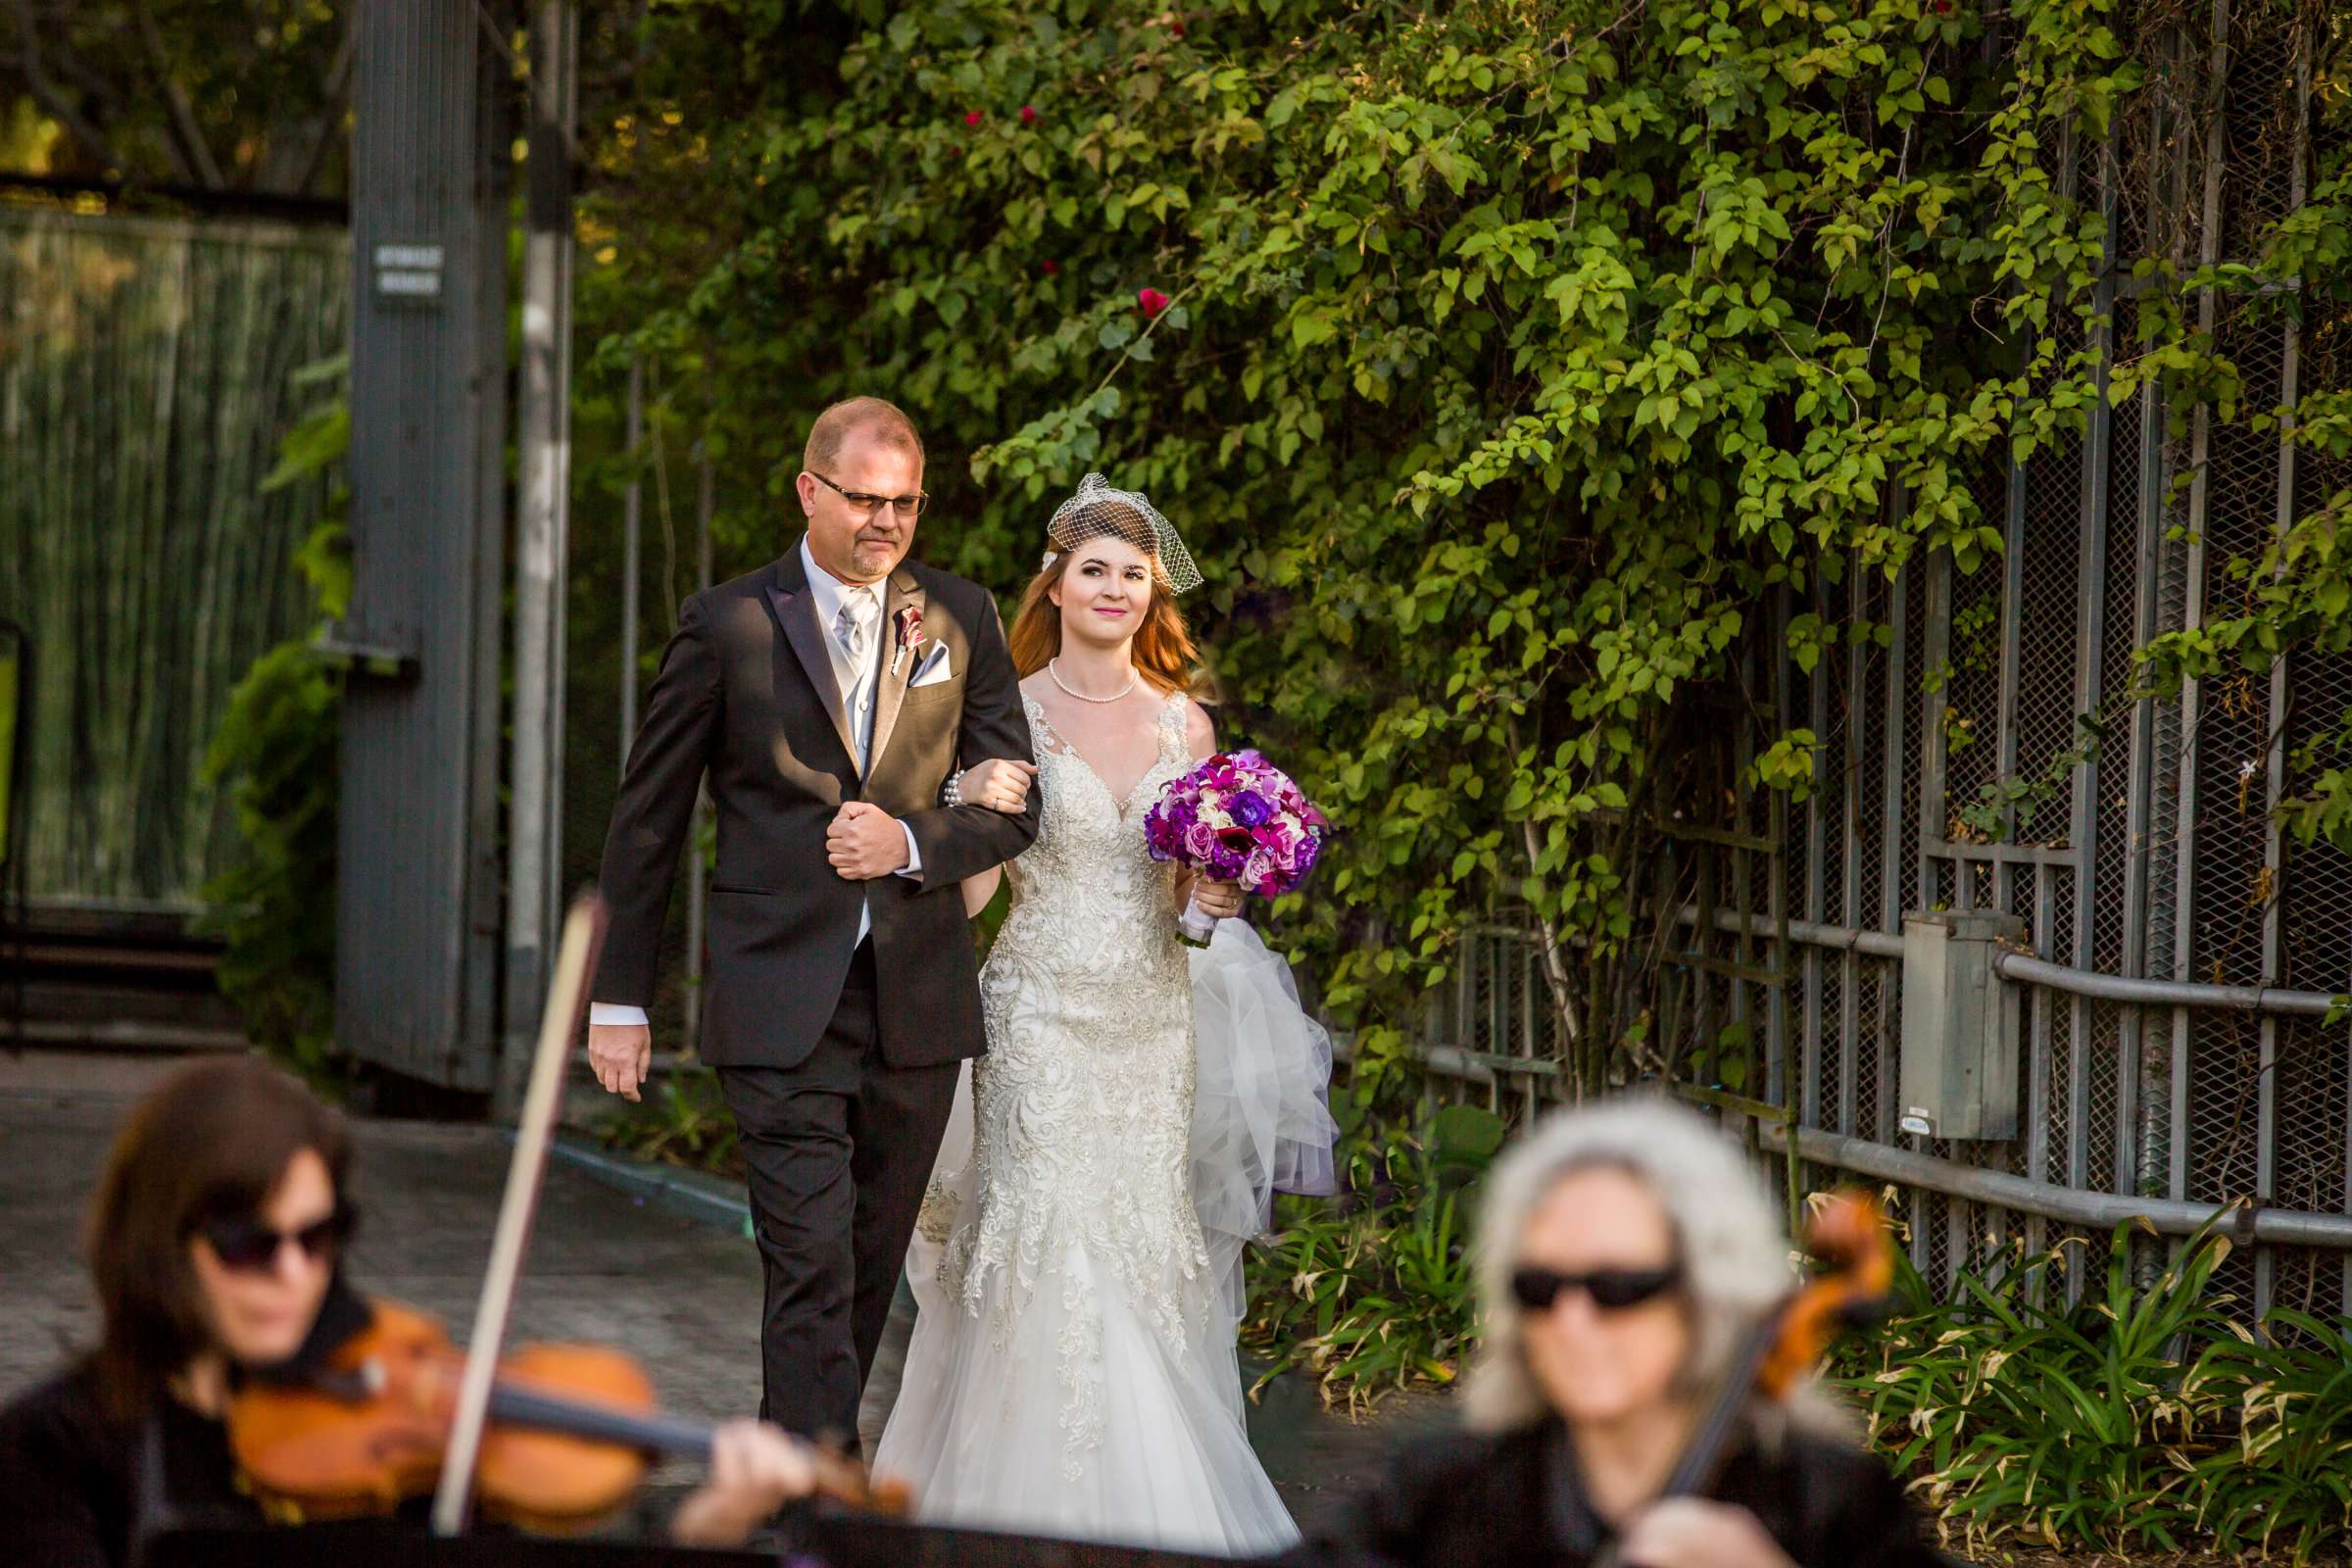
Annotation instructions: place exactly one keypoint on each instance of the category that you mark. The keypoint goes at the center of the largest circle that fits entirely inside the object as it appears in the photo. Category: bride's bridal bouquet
(1237, 818)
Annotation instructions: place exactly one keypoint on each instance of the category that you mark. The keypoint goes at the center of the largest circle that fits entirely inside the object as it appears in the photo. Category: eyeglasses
(908, 506)
(250, 1247)
(1612, 1289)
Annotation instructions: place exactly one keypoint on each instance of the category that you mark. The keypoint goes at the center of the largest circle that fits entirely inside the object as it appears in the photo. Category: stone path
(681, 1297)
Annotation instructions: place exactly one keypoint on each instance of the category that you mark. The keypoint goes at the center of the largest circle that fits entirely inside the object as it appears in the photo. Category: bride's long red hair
(1164, 652)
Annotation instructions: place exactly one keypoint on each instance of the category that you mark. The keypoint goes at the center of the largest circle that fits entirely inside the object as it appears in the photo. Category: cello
(1847, 1234)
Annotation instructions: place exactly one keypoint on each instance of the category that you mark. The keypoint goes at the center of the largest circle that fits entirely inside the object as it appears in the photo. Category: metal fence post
(534, 837)
(697, 878)
(632, 531)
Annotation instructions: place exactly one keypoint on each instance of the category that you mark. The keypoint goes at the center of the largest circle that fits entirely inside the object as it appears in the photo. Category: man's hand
(622, 1055)
(866, 842)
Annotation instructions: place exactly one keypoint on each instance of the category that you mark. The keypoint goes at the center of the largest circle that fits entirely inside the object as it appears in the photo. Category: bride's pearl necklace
(1055, 675)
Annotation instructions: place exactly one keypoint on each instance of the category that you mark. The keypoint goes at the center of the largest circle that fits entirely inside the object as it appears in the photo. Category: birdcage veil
(1097, 511)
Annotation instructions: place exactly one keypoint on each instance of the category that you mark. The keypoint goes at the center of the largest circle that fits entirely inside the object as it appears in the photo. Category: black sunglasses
(250, 1247)
(908, 506)
(1612, 1289)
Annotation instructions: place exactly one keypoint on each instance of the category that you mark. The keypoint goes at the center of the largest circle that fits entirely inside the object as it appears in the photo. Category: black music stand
(832, 1542)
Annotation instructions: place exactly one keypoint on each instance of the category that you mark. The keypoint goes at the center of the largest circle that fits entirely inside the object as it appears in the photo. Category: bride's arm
(1003, 785)
(978, 890)
(1199, 734)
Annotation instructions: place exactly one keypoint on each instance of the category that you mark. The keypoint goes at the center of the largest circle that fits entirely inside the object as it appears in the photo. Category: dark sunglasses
(251, 1247)
(908, 506)
(1612, 1289)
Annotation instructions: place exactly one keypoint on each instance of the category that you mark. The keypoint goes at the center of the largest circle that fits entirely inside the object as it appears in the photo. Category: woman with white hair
(1624, 1252)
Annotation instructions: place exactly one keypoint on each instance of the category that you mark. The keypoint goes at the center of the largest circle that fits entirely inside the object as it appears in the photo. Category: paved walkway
(681, 1297)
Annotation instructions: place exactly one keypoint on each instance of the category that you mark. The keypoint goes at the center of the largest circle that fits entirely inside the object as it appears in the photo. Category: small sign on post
(409, 274)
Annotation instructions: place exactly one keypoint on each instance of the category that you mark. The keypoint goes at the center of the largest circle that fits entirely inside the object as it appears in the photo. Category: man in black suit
(829, 697)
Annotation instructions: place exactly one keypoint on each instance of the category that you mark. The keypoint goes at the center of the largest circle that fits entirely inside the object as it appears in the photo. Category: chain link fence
(2142, 854)
(1988, 751)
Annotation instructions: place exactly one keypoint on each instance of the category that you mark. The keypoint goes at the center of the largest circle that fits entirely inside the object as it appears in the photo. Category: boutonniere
(911, 637)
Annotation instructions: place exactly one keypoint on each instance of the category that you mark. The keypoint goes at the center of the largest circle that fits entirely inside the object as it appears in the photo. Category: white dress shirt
(858, 688)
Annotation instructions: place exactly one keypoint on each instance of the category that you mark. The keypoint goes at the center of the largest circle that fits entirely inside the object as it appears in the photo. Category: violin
(552, 1437)
(1847, 1234)
(571, 1433)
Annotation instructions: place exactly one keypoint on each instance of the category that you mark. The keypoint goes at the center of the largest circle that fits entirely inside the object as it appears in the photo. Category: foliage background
(1516, 352)
(1516, 356)
(223, 107)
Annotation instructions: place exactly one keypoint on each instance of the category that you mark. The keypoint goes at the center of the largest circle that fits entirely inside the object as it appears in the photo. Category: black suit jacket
(746, 694)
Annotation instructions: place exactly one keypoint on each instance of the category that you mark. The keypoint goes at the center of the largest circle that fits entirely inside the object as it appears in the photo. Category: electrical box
(1960, 1042)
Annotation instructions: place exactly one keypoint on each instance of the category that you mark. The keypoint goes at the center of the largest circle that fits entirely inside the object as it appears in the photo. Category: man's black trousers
(838, 1151)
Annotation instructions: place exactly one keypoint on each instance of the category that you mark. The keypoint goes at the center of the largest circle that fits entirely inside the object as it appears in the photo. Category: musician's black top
(69, 1473)
(78, 1484)
(1473, 1500)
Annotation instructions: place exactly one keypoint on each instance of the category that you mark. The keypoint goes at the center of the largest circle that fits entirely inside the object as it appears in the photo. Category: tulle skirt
(983, 1427)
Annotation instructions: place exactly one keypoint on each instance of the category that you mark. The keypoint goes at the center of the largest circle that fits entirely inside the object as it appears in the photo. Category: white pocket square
(934, 669)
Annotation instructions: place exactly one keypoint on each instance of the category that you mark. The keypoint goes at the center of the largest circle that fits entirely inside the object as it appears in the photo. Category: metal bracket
(363, 659)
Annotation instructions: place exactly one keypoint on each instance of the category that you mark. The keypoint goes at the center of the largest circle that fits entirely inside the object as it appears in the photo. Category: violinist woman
(215, 1241)
(1624, 1252)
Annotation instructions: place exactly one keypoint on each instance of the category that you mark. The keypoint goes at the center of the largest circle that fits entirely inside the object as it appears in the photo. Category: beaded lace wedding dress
(1077, 1265)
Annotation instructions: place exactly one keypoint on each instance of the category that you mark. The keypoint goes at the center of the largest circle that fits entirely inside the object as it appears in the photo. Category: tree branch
(296, 176)
(53, 102)
(1556, 963)
(196, 156)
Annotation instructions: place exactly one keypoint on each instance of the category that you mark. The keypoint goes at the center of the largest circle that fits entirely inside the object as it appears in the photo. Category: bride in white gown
(1077, 1265)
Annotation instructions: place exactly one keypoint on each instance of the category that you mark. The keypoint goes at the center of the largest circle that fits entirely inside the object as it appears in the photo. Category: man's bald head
(871, 417)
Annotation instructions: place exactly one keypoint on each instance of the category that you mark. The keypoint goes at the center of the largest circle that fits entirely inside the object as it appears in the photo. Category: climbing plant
(1497, 359)
(275, 753)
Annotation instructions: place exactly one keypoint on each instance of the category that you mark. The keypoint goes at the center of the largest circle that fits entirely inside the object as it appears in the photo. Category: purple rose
(1248, 807)
(1200, 841)
(1310, 849)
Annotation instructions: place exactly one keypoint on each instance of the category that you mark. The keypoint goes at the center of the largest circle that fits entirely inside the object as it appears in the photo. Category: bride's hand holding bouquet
(1242, 826)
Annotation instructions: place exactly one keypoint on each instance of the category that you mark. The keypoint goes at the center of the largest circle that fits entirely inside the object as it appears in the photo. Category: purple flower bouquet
(1239, 818)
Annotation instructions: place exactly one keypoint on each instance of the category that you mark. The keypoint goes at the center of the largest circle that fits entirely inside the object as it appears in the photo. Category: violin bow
(558, 1027)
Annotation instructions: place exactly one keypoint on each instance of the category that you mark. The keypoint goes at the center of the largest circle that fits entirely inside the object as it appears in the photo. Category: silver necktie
(853, 627)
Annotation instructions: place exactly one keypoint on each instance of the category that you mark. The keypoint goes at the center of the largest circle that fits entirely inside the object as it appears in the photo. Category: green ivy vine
(1497, 359)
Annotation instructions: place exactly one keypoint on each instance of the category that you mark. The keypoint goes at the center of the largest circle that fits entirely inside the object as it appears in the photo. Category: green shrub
(2286, 1483)
(277, 756)
(1514, 359)
(2139, 1418)
(684, 1121)
(1372, 1292)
